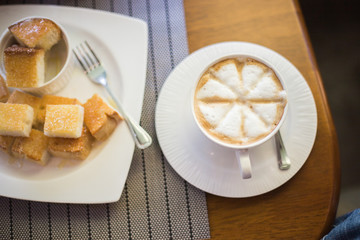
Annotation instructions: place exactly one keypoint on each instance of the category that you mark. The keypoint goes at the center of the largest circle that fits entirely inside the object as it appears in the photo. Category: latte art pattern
(239, 100)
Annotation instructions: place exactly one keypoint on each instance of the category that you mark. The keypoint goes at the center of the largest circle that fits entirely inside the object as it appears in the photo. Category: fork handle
(141, 137)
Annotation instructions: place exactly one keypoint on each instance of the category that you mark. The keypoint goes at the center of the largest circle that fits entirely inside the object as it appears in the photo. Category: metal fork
(97, 74)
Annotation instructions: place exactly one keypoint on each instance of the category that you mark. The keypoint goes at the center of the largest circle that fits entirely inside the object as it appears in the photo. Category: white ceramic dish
(212, 168)
(123, 51)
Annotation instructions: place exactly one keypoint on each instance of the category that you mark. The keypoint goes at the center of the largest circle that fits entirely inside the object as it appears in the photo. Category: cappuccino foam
(215, 89)
(239, 100)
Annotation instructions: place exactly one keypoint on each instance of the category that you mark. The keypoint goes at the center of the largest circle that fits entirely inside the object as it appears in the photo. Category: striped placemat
(156, 203)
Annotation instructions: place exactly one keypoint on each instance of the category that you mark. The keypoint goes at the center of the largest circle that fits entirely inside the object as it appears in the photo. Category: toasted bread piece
(72, 148)
(24, 67)
(25, 98)
(15, 119)
(33, 148)
(36, 33)
(6, 143)
(64, 121)
(100, 118)
(53, 100)
(4, 91)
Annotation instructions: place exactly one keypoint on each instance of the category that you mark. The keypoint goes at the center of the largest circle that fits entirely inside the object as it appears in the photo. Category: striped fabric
(156, 203)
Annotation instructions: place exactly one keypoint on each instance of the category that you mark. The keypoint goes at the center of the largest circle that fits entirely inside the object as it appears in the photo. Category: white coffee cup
(241, 149)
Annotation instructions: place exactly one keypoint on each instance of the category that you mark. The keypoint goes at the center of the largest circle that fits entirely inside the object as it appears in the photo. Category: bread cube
(6, 143)
(64, 121)
(4, 91)
(72, 148)
(25, 98)
(33, 148)
(15, 119)
(36, 33)
(24, 67)
(100, 118)
(53, 100)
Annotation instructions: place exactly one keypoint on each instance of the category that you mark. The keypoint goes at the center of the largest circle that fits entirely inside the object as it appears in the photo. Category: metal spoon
(283, 158)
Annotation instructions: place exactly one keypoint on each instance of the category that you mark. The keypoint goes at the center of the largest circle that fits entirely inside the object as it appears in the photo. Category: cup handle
(243, 159)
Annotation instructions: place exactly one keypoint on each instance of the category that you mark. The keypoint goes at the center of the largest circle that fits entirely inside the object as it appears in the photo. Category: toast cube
(25, 98)
(15, 119)
(72, 148)
(53, 100)
(33, 148)
(64, 121)
(4, 91)
(6, 143)
(24, 67)
(36, 33)
(100, 118)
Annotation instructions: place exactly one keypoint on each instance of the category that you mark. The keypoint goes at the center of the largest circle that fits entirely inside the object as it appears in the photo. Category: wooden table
(305, 206)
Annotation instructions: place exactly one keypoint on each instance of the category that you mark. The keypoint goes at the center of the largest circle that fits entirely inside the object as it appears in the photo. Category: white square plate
(121, 44)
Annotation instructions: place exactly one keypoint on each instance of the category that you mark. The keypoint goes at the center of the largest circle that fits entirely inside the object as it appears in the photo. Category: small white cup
(241, 151)
(56, 77)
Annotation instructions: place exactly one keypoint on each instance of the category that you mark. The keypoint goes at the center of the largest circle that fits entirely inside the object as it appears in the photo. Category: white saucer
(213, 168)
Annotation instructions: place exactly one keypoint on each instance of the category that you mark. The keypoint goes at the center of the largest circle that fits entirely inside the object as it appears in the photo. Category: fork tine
(96, 58)
(85, 56)
(83, 59)
(91, 60)
(80, 60)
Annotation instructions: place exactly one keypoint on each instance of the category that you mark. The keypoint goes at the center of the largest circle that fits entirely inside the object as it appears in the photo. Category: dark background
(334, 30)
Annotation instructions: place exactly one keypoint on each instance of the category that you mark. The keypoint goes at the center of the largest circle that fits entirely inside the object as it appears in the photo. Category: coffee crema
(239, 100)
